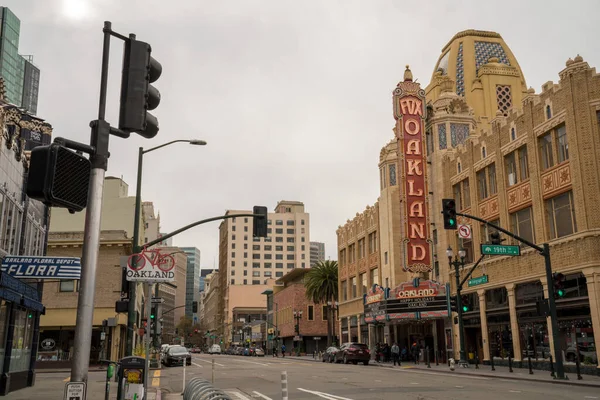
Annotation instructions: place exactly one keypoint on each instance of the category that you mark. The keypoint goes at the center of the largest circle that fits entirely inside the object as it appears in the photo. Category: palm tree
(321, 284)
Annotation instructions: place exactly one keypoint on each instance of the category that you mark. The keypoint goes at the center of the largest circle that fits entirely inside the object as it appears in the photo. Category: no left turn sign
(464, 231)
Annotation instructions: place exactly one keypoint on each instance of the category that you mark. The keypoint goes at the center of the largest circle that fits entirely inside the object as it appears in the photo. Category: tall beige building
(247, 263)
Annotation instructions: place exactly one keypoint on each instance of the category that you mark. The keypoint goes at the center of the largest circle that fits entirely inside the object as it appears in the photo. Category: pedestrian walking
(396, 354)
(415, 352)
(283, 350)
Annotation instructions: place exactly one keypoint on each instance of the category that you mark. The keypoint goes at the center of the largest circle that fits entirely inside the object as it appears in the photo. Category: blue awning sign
(27, 267)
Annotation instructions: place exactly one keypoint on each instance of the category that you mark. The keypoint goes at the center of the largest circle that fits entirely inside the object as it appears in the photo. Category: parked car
(353, 353)
(176, 355)
(214, 349)
(329, 354)
(258, 352)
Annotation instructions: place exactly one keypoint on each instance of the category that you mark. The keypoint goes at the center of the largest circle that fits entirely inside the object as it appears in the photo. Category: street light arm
(200, 142)
(185, 228)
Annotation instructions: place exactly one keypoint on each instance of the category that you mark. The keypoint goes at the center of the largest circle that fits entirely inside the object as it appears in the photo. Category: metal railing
(201, 389)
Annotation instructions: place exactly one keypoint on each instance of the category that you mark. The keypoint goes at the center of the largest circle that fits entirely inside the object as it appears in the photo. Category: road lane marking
(262, 396)
(241, 396)
(323, 395)
(590, 397)
(414, 383)
(197, 365)
(156, 378)
(254, 362)
(515, 391)
(67, 379)
(461, 387)
(210, 362)
(415, 371)
(157, 373)
(377, 380)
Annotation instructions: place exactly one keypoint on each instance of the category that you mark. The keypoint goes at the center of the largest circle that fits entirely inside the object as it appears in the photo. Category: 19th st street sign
(500, 250)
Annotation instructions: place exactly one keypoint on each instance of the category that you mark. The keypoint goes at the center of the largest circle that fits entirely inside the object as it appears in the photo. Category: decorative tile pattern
(460, 75)
(392, 169)
(519, 196)
(556, 180)
(458, 134)
(503, 98)
(443, 64)
(485, 50)
(442, 136)
(489, 209)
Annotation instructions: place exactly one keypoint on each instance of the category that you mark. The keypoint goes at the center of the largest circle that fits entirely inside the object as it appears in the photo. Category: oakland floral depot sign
(410, 300)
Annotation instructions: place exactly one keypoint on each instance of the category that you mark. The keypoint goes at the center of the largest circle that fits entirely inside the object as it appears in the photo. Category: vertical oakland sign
(409, 112)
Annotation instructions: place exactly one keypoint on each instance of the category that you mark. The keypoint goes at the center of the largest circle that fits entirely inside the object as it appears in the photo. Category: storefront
(20, 311)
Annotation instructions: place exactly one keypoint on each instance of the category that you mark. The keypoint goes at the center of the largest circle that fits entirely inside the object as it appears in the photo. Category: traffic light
(449, 211)
(453, 304)
(153, 313)
(466, 303)
(194, 307)
(137, 94)
(495, 238)
(58, 177)
(29, 315)
(559, 285)
(259, 222)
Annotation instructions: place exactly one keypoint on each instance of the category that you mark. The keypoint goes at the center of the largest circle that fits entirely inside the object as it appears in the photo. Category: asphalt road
(260, 378)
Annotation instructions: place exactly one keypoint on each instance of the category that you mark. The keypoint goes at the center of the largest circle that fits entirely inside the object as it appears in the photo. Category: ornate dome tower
(481, 68)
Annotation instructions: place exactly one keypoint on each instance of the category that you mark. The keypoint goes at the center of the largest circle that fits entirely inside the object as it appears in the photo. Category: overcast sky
(293, 97)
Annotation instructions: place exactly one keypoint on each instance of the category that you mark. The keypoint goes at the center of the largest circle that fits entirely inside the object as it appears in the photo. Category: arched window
(513, 133)
(483, 152)
(459, 168)
(548, 112)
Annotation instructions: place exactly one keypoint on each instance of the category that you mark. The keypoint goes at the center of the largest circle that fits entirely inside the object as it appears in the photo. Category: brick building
(60, 299)
(524, 161)
(289, 299)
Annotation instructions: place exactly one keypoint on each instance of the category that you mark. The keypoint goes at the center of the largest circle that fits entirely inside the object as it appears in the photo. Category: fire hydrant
(452, 364)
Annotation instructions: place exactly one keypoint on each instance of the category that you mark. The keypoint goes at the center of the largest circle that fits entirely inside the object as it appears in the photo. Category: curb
(63, 371)
(485, 375)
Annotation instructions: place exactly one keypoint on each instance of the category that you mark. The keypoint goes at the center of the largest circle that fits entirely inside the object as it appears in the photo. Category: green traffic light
(560, 292)
(30, 315)
(451, 222)
(465, 308)
(152, 316)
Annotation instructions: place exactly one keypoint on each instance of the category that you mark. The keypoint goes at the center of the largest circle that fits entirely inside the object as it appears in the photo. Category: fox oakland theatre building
(521, 159)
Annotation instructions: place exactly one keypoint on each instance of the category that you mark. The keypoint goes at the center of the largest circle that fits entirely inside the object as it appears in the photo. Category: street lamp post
(298, 317)
(131, 314)
(457, 263)
(333, 306)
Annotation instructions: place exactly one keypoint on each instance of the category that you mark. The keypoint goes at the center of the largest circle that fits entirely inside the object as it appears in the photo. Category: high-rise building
(202, 281)
(317, 252)
(247, 263)
(192, 281)
(20, 76)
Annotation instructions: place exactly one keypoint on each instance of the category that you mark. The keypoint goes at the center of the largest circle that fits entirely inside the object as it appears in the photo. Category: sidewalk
(486, 371)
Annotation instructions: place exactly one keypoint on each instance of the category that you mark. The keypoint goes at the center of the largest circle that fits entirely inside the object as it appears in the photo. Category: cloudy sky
(293, 97)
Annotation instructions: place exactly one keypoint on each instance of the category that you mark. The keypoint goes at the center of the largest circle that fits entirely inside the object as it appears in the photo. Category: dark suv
(354, 353)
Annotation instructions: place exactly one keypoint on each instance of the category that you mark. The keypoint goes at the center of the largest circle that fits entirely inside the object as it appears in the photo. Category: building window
(232, 237)
(503, 98)
(521, 223)
(256, 274)
(353, 283)
(523, 163)
(278, 239)
(510, 164)
(466, 244)
(66, 286)
(382, 176)
(513, 133)
(233, 254)
(255, 265)
(385, 257)
(267, 274)
(233, 281)
(233, 272)
(11, 219)
(483, 152)
(352, 253)
(290, 257)
(245, 281)
(268, 247)
(545, 143)
(364, 284)
(462, 194)
(245, 229)
(344, 290)
(257, 247)
(311, 313)
(245, 272)
(392, 169)
(279, 256)
(290, 231)
(442, 138)
(256, 281)
(301, 222)
(268, 256)
(458, 168)
(278, 274)
(486, 230)
(458, 134)
(372, 242)
(290, 265)
(290, 222)
(279, 231)
(563, 145)
(291, 248)
(516, 164)
(361, 248)
(561, 215)
(268, 264)
(233, 228)
(486, 181)
(34, 237)
(324, 313)
(548, 112)
(278, 265)
(375, 276)
(278, 222)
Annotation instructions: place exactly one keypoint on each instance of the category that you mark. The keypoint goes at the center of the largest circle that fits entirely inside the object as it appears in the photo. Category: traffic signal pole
(544, 251)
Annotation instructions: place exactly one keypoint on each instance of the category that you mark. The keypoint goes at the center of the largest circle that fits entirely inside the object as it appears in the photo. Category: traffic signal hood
(453, 304)
(259, 221)
(559, 285)
(58, 177)
(466, 303)
(449, 212)
(137, 94)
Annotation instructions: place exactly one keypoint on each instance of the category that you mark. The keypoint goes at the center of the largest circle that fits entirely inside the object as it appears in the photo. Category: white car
(214, 349)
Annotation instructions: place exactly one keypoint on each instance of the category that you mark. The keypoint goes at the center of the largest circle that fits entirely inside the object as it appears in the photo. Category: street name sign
(157, 300)
(478, 281)
(500, 250)
(75, 391)
(27, 267)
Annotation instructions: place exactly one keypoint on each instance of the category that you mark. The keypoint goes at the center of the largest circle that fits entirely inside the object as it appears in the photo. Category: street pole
(131, 315)
(147, 350)
(461, 334)
(560, 369)
(155, 329)
(91, 243)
